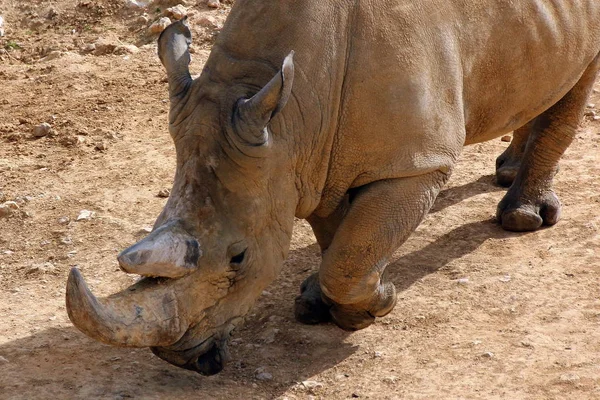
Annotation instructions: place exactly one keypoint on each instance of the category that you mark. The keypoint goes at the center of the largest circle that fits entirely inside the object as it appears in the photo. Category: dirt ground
(482, 313)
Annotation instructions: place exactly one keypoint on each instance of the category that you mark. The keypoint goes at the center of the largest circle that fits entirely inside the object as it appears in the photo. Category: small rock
(268, 335)
(377, 354)
(126, 49)
(1, 26)
(100, 145)
(569, 377)
(159, 25)
(262, 375)
(3, 360)
(506, 138)
(505, 278)
(164, 193)
(88, 48)
(43, 129)
(311, 385)
(145, 230)
(135, 4)
(390, 379)
(487, 354)
(41, 268)
(103, 46)
(53, 55)
(143, 19)
(213, 3)
(85, 215)
(208, 21)
(12, 205)
(5, 211)
(52, 13)
(462, 281)
(178, 12)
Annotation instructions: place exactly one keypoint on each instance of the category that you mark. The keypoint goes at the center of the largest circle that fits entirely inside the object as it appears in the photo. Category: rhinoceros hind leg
(530, 202)
(309, 307)
(508, 163)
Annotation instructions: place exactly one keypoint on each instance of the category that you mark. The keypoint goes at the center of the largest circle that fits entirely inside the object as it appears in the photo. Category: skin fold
(350, 114)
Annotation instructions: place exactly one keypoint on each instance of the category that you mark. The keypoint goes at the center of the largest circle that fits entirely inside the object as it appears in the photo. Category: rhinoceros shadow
(66, 362)
(454, 195)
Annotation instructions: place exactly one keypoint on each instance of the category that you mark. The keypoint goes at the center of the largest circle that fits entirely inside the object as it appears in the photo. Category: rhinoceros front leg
(350, 287)
(530, 202)
(508, 163)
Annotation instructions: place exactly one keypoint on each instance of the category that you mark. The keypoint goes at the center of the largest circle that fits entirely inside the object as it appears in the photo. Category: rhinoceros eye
(238, 259)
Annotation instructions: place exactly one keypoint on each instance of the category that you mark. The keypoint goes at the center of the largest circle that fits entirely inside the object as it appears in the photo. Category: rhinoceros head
(224, 231)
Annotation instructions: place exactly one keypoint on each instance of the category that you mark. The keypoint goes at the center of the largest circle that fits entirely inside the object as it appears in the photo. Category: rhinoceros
(351, 115)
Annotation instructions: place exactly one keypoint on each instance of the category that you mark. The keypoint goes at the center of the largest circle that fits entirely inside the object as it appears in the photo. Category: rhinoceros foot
(313, 307)
(523, 215)
(309, 307)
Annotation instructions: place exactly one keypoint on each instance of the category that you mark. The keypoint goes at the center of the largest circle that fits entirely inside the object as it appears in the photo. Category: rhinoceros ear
(173, 51)
(252, 115)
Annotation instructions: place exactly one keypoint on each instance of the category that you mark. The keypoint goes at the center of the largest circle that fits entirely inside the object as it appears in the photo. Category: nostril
(209, 363)
(132, 258)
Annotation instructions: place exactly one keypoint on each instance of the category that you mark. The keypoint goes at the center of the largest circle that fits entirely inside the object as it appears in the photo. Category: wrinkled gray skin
(356, 132)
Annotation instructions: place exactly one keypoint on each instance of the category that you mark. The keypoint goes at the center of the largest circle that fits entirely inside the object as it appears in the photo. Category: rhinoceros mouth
(208, 357)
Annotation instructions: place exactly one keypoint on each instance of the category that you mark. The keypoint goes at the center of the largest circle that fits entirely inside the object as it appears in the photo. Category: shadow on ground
(62, 360)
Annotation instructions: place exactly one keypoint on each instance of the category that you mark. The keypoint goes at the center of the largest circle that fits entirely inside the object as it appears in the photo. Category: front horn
(144, 315)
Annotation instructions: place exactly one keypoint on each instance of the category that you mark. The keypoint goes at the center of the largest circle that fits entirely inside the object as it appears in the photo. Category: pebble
(1, 26)
(64, 220)
(505, 278)
(159, 25)
(268, 335)
(41, 268)
(488, 354)
(377, 354)
(41, 130)
(145, 230)
(462, 281)
(208, 21)
(100, 145)
(506, 138)
(143, 19)
(569, 377)
(310, 385)
(5, 211)
(178, 12)
(85, 215)
(213, 3)
(262, 375)
(135, 4)
(164, 193)
(12, 205)
(3, 360)
(126, 49)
